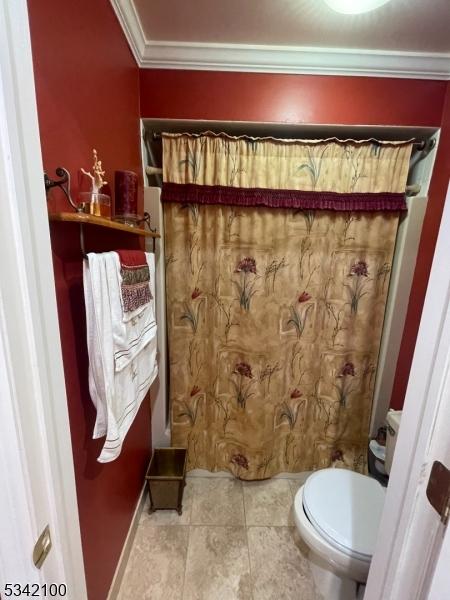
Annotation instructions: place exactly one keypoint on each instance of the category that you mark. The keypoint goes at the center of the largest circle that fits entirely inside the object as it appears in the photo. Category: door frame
(408, 522)
(40, 480)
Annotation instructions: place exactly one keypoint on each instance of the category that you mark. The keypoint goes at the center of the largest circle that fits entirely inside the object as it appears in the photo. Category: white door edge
(409, 527)
(34, 386)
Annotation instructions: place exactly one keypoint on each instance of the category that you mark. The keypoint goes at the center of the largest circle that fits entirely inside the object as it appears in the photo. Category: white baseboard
(125, 554)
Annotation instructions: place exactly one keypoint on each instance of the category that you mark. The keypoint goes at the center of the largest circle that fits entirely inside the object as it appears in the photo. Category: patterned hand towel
(135, 287)
(122, 355)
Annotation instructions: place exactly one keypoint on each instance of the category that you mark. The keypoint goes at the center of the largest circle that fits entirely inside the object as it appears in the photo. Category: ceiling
(413, 25)
(404, 38)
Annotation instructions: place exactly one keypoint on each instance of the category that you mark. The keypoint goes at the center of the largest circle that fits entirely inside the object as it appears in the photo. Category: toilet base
(331, 585)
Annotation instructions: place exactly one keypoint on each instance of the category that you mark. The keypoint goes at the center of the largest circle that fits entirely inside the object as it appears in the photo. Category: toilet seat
(345, 509)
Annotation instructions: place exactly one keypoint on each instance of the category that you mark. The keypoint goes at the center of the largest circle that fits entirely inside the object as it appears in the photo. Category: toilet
(337, 513)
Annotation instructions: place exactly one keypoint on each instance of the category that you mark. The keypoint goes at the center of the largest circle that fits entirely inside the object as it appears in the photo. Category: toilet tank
(393, 425)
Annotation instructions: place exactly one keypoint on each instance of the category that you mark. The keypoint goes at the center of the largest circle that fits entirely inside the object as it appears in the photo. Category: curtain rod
(156, 137)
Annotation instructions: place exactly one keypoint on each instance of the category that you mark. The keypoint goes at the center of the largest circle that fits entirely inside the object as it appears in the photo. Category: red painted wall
(438, 191)
(322, 100)
(290, 98)
(87, 86)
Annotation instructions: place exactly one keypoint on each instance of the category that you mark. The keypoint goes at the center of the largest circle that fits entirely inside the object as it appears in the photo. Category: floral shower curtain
(278, 258)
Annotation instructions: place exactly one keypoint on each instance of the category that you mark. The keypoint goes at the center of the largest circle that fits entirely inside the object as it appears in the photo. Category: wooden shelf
(83, 218)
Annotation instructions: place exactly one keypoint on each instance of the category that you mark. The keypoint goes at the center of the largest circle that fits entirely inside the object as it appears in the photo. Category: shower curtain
(278, 257)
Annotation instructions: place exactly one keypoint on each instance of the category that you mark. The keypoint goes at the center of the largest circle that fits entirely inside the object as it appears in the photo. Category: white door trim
(29, 328)
(409, 528)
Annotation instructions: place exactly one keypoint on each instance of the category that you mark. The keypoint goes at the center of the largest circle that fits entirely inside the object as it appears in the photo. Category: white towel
(122, 355)
(132, 333)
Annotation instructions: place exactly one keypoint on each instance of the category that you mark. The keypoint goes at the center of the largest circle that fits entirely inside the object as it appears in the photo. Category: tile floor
(234, 541)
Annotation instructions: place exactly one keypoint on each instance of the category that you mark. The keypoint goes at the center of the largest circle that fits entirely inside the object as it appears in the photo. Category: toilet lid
(345, 507)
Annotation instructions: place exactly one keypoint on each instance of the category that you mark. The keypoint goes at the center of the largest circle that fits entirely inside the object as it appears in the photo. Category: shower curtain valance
(330, 174)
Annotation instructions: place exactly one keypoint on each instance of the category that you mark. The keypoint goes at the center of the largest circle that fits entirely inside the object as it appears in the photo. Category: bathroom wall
(320, 100)
(87, 94)
(266, 97)
(438, 191)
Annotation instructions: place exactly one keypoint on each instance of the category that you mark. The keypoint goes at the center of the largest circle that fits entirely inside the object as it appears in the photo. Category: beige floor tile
(296, 483)
(217, 566)
(217, 502)
(155, 569)
(268, 502)
(279, 568)
(171, 517)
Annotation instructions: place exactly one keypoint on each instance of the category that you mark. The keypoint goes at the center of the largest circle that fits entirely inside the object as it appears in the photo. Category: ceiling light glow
(354, 7)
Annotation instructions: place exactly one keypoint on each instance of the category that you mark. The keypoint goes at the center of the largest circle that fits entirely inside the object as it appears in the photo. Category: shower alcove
(407, 241)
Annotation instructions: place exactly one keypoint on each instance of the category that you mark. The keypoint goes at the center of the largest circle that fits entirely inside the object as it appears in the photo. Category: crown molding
(289, 59)
(132, 28)
(276, 59)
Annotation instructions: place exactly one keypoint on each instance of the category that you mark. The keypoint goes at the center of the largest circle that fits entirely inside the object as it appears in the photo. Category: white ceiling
(413, 25)
(402, 38)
